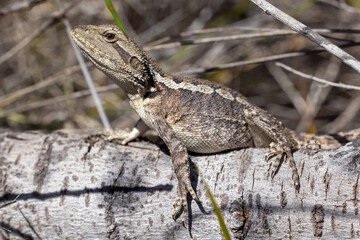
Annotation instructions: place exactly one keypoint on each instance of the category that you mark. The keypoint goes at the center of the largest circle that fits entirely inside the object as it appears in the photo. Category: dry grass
(48, 54)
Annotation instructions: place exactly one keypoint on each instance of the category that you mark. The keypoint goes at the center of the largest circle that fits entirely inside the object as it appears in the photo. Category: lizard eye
(135, 63)
(110, 37)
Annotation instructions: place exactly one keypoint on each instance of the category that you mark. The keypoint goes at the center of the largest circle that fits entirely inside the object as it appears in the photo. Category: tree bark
(78, 186)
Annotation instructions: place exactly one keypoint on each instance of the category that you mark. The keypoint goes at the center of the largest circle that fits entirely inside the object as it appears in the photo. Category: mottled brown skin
(187, 113)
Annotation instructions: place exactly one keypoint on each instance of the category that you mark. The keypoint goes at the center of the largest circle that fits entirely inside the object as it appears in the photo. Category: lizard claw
(178, 207)
(281, 153)
(273, 151)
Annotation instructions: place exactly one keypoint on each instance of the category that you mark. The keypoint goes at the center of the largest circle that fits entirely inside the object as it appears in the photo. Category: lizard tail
(326, 142)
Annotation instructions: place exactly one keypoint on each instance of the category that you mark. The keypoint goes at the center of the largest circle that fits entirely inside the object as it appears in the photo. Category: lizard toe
(295, 174)
(181, 204)
(178, 207)
(283, 153)
(276, 151)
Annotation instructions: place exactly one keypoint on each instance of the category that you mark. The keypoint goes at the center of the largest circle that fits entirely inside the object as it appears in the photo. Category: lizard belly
(213, 134)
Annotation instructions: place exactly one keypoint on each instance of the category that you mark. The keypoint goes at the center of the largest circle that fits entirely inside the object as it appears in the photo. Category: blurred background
(42, 86)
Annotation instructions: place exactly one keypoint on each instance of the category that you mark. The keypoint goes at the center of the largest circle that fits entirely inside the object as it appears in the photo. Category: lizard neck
(153, 72)
(156, 72)
(136, 88)
(132, 89)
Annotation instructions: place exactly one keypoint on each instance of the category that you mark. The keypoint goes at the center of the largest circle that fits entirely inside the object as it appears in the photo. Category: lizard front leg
(180, 160)
(126, 135)
(269, 132)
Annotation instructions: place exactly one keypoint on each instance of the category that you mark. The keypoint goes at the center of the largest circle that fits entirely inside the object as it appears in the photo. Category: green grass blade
(355, 3)
(115, 16)
(216, 208)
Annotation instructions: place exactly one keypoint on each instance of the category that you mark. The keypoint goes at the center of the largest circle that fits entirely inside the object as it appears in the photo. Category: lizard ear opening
(135, 63)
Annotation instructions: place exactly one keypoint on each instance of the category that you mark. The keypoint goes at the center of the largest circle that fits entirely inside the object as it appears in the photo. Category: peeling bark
(76, 186)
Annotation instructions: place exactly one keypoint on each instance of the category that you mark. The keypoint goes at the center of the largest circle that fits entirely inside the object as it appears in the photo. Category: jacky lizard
(188, 114)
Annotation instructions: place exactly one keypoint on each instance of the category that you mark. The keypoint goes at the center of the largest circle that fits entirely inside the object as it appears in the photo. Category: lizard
(189, 114)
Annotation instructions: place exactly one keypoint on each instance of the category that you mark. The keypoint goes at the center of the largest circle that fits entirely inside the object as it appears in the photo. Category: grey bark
(76, 186)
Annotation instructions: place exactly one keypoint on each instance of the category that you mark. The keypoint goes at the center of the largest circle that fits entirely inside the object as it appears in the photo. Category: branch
(106, 190)
(308, 33)
(262, 32)
(288, 87)
(257, 60)
(53, 19)
(323, 81)
(345, 117)
(340, 5)
(20, 6)
(60, 76)
(56, 100)
(85, 71)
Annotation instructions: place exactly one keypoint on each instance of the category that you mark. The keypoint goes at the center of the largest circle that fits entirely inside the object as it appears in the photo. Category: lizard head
(116, 54)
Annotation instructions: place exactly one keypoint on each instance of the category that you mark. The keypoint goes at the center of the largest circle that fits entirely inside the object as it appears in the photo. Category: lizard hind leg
(181, 202)
(181, 164)
(266, 131)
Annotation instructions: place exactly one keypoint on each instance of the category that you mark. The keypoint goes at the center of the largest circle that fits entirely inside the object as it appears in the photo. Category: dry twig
(51, 101)
(19, 6)
(308, 33)
(60, 76)
(345, 117)
(257, 60)
(53, 19)
(89, 80)
(323, 81)
(262, 32)
(317, 95)
(340, 4)
(288, 87)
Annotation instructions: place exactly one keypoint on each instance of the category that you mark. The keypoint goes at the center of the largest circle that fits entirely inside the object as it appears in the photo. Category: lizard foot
(181, 204)
(280, 153)
(125, 135)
